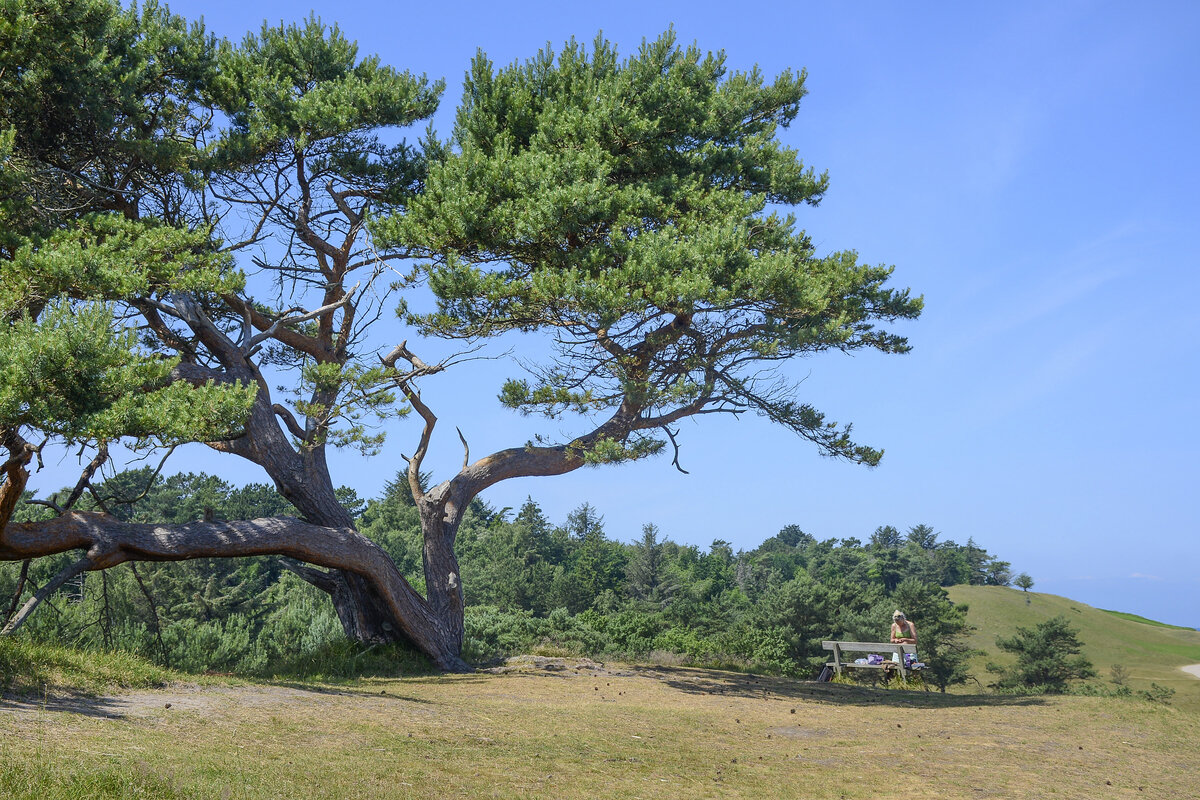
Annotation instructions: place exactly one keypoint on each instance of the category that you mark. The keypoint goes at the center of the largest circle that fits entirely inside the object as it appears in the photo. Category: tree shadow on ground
(97, 707)
(204, 699)
(363, 689)
(731, 684)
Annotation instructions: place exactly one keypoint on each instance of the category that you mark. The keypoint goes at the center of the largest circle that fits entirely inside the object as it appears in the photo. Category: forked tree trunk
(302, 478)
(364, 616)
(373, 600)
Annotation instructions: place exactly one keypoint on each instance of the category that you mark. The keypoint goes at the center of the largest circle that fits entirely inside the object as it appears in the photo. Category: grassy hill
(1150, 651)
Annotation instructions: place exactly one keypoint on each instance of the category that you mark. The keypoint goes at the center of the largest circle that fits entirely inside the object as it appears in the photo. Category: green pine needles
(632, 208)
(1047, 658)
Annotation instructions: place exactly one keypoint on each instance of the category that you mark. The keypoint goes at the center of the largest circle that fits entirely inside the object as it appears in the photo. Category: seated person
(903, 631)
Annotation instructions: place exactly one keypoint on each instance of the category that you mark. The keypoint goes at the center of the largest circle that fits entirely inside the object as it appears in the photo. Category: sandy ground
(184, 697)
(230, 700)
(1194, 669)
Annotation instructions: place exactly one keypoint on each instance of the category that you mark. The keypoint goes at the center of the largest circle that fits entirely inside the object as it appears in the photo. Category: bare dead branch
(128, 501)
(50, 588)
(162, 648)
(20, 590)
(270, 332)
(466, 448)
(674, 444)
(292, 338)
(85, 477)
(404, 383)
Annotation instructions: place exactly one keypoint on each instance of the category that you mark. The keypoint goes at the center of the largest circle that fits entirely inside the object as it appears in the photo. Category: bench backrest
(871, 647)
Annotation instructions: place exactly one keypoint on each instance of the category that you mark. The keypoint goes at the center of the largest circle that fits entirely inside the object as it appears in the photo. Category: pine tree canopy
(97, 105)
(635, 208)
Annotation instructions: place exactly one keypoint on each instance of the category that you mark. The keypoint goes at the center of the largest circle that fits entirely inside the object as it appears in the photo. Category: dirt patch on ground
(184, 697)
(207, 701)
(225, 701)
(1193, 670)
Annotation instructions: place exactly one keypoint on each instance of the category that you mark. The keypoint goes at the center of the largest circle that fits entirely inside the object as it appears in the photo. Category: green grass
(1152, 653)
(575, 733)
(579, 731)
(30, 668)
(1136, 618)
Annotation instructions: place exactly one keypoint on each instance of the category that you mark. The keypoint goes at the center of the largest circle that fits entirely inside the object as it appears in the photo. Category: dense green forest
(531, 586)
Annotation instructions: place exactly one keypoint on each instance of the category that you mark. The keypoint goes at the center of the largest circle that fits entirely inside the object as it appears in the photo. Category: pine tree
(1048, 658)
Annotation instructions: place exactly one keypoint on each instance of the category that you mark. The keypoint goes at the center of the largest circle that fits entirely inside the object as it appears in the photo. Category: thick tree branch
(519, 462)
(304, 230)
(290, 421)
(109, 542)
(273, 329)
(15, 474)
(339, 199)
(308, 345)
(325, 581)
(170, 338)
(214, 339)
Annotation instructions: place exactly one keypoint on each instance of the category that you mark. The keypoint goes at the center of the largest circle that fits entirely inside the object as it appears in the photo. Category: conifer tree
(631, 209)
(1047, 658)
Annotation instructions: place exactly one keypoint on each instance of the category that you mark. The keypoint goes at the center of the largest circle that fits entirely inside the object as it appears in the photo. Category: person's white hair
(898, 614)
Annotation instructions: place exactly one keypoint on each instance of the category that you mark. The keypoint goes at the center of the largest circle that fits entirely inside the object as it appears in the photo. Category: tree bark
(440, 519)
(302, 478)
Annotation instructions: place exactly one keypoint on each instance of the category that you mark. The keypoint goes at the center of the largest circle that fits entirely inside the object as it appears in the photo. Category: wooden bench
(882, 648)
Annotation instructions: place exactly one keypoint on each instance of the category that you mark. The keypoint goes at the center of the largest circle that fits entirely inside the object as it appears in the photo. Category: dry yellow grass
(587, 732)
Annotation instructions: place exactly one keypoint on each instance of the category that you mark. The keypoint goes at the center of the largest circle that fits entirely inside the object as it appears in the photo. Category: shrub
(1048, 658)
(1158, 694)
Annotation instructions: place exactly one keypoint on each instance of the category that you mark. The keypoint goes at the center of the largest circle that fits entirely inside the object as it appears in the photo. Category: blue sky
(1031, 168)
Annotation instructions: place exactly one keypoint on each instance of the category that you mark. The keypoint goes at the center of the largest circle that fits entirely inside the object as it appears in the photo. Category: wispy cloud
(1143, 576)
(1057, 369)
(1080, 271)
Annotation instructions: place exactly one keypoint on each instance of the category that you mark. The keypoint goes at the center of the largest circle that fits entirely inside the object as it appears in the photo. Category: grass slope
(1152, 652)
(30, 668)
(1136, 618)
